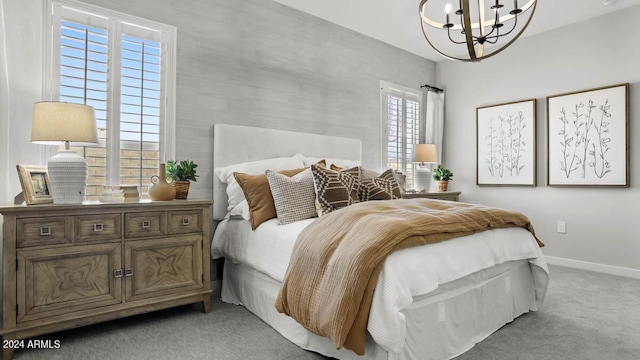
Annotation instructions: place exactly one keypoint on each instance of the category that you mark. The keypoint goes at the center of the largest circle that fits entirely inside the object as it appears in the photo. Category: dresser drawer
(98, 227)
(144, 224)
(184, 221)
(44, 231)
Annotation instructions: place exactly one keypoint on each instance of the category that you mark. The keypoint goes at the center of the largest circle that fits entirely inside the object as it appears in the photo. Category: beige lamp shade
(54, 122)
(424, 153)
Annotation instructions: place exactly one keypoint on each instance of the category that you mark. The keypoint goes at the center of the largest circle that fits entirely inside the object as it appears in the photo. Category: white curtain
(432, 127)
(434, 121)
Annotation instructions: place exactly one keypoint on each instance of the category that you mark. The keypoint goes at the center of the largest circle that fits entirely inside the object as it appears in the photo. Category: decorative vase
(182, 189)
(442, 185)
(161, 190)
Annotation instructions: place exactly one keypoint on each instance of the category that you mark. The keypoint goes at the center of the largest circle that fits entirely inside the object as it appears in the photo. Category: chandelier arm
(454, 41)
(515, 24)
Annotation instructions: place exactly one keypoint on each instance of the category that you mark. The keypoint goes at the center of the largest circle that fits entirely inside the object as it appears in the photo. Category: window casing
(400, 115)
(124, 67)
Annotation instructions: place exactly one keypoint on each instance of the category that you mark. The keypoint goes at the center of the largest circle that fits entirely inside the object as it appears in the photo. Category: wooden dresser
(446, 195)
(67, 266)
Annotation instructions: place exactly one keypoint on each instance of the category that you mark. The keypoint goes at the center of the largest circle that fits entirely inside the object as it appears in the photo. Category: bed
(430, 302)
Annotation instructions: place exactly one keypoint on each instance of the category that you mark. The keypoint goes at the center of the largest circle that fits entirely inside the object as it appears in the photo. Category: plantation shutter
(402, 111)
(83, 79)
(126, 71)
(140, 104)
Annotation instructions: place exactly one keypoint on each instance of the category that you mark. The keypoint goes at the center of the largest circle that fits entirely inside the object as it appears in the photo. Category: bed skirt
(440, 325)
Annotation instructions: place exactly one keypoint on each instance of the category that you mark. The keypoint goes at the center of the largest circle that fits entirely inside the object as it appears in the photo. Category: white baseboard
(602, 268)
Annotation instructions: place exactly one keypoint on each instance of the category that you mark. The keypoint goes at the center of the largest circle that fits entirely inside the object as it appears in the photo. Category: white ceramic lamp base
(423, 176)
(68, 177)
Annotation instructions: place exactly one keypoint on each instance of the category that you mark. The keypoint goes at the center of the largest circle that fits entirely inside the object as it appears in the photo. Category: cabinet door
(66, 279)
(158, 267)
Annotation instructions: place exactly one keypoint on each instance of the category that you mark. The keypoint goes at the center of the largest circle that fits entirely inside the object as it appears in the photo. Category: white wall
(21, 77)
(602, 223)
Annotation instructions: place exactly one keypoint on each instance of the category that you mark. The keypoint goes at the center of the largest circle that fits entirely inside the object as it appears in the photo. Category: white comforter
(407, 273)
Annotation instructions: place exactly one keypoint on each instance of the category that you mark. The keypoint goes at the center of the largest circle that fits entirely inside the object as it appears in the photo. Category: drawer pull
(117, 273)
(128, 272)
(146, 224)
(45, 230)
(186, 221)
(98, 227)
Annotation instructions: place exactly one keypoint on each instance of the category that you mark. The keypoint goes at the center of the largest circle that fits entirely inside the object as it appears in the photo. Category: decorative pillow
(368, 190)
(344, 163)
(234, 192)
(335, 189)
(258, 195)
(294, 197)
(382, 187)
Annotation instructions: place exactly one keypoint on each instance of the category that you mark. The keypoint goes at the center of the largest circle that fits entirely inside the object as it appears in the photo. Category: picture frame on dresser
(588, 137)
(34, 181)
(506, 144)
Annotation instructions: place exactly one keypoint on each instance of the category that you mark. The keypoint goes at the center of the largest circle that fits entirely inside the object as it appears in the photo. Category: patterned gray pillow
(335, 189)
(294, 197)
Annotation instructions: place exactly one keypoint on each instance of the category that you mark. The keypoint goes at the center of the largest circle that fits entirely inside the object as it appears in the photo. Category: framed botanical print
(35, 184)
(588, 137)
(506, 144)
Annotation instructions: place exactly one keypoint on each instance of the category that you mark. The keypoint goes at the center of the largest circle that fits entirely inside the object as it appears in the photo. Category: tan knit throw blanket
(336, 260)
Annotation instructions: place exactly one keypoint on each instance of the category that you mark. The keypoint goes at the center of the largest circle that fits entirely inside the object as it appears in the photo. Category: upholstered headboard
(234, 144)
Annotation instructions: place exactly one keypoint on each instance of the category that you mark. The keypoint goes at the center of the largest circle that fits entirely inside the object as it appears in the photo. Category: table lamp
(56, 122)
(423, 154)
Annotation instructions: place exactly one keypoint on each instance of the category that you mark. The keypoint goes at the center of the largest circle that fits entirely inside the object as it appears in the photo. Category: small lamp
(55, 122)
(423, 154)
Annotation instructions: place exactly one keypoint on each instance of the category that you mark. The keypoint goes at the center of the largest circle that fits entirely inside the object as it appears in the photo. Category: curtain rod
(432, 88)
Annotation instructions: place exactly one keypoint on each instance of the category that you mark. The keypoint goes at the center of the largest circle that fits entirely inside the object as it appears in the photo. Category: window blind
(124, 67)
(402, 130)
(84, 57)
(140, 94)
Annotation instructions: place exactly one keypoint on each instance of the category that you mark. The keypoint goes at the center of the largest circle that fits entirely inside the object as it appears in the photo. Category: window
(400, 112)
(124, 67)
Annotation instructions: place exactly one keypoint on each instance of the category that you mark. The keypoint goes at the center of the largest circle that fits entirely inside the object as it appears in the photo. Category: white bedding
(406, 274)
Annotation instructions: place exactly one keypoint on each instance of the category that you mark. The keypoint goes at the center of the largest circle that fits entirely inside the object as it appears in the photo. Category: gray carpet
(586, 316)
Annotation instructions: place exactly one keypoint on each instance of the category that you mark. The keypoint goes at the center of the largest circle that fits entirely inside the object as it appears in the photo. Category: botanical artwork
(588, 137)
(506, 138)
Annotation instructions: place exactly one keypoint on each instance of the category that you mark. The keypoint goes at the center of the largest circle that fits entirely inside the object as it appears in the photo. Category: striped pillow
(335, 189)
(381, 187)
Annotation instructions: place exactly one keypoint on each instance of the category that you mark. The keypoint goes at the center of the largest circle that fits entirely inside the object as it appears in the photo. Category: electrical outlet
(562, 227)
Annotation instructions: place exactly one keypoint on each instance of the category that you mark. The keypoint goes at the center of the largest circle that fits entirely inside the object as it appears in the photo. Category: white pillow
(240, 211)
(343, 163)
(234, 192)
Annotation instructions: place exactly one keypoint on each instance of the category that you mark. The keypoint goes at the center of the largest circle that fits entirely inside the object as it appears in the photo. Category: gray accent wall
(260, 63)
(602, 223)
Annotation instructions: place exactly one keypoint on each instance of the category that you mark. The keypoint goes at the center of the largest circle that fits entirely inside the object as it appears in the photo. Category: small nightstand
(447, 195)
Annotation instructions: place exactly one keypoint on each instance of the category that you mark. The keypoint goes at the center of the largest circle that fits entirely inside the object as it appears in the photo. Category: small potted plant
(181, 173)
(442, 175)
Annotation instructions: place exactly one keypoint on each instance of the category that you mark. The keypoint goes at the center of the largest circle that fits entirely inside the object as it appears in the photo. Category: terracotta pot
(161, 190)
(442, 185)
(182, 189)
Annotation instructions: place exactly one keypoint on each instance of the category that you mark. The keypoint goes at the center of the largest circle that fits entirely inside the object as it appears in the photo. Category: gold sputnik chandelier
(475, 25)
